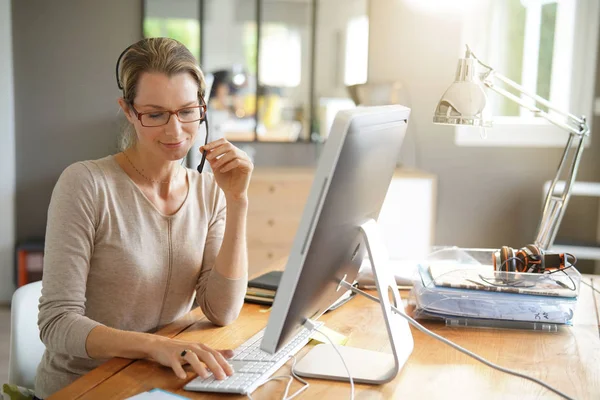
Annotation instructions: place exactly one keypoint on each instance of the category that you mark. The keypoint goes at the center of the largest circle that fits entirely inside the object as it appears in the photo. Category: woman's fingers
(223, 156)
(194, 361)
(216, 148)
(214, 144)
(178, 369)
(212, 364)
(231, 165)
(216, 152)
(226, 353)
(220, 358)
(229, 161)
(227, 157)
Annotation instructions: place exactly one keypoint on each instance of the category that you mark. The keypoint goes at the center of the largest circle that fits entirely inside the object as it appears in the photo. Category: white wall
(333, 17)
(7, 155)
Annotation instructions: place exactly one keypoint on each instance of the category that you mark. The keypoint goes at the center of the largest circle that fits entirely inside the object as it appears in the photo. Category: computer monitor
(352, 178)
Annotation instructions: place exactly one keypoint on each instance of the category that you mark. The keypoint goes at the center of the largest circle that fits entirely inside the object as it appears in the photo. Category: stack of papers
(445, 291)
(483, 277)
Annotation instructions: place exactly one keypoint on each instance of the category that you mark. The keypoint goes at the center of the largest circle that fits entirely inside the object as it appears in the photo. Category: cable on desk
(311, 325)
(290, 379)
(592, 287)
(461, 349)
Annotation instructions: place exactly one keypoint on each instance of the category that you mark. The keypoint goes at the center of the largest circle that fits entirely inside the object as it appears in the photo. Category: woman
(132, 239)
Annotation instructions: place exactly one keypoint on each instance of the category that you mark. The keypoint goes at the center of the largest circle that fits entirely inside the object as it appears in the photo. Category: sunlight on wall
(439, 6)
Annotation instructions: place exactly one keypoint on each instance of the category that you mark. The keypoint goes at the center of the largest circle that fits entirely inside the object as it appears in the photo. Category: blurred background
(280, 70)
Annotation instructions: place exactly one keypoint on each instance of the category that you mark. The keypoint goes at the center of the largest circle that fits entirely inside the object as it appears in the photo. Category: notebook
(269, 281)
(262, 289)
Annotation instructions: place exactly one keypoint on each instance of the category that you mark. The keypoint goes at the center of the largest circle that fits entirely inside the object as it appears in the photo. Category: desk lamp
(464, 104)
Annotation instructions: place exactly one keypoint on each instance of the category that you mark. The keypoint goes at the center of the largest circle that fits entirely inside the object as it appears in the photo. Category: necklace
(148, 179)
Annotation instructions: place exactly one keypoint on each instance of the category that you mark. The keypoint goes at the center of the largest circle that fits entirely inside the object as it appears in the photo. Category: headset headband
(119, 61)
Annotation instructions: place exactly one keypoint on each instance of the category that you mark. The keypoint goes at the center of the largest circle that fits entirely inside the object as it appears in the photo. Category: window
(280, 55)
(548, 47)
(275, 65)
(357, 51)
(187, 31)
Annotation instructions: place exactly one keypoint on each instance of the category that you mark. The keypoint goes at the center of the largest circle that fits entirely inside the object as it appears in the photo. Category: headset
(530, 259)
(205, 120)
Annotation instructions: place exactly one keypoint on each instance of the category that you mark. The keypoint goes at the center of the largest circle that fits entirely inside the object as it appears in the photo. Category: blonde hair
(162, 55)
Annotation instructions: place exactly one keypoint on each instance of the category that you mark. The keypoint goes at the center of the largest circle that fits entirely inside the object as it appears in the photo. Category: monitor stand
(366, 366)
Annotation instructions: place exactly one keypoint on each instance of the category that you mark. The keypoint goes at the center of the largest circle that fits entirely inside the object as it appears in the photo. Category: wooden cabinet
(277, 197)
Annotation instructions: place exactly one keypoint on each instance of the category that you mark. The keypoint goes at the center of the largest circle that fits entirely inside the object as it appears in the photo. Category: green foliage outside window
(515, 33)
(546, 51)
(250, 38)
(187, 31)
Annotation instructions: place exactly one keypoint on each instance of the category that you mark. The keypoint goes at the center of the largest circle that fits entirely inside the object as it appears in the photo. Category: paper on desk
(482, 277)
(336, 338)
(157, 394)
(491, 305)
(404, 271)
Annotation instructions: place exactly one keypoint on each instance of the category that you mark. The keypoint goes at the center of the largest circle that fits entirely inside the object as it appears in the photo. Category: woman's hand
(232, 168)
(202, 358)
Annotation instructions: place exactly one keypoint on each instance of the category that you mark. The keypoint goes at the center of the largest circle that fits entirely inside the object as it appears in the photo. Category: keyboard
(251, 366)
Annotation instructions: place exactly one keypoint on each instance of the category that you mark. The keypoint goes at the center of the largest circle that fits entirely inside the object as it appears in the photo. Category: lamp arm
(487, 79)
(534, 109)
(576, 120)
(555, 204)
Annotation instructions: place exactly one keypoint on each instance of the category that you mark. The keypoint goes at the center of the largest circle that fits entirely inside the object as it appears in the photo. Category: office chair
(26, 348)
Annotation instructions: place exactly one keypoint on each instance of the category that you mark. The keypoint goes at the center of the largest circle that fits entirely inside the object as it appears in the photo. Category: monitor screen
(352, 178)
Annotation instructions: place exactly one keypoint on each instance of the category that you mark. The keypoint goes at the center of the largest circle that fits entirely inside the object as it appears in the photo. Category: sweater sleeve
(220, 298)
(69, 245)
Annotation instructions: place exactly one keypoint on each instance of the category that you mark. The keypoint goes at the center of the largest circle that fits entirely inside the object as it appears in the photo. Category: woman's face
(159, 92)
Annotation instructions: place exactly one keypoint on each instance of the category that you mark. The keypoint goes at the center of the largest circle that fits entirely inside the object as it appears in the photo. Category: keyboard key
(252, 366)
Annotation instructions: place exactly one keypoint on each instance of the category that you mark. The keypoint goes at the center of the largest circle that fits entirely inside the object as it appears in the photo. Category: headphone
(529, 259)
(120, 85)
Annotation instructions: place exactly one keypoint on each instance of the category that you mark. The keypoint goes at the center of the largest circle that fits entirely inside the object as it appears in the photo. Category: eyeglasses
(159, 118)
(186, 114)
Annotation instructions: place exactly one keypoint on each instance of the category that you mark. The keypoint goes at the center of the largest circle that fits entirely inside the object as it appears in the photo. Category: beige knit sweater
(112, 258)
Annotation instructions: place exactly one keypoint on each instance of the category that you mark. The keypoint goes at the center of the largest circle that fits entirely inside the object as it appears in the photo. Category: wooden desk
(568, 360)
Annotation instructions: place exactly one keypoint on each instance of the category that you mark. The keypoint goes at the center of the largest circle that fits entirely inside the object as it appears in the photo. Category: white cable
(459, 348)
(310, 323)
(287, 387)
(303, 388)
(593, 288)
(274, 378)
(483, 133)
(289, 384)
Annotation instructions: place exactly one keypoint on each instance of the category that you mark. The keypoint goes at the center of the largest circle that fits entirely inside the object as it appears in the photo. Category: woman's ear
(126, 110)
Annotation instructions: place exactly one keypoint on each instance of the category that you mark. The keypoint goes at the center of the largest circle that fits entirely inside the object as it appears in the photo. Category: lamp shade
(464, 102)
